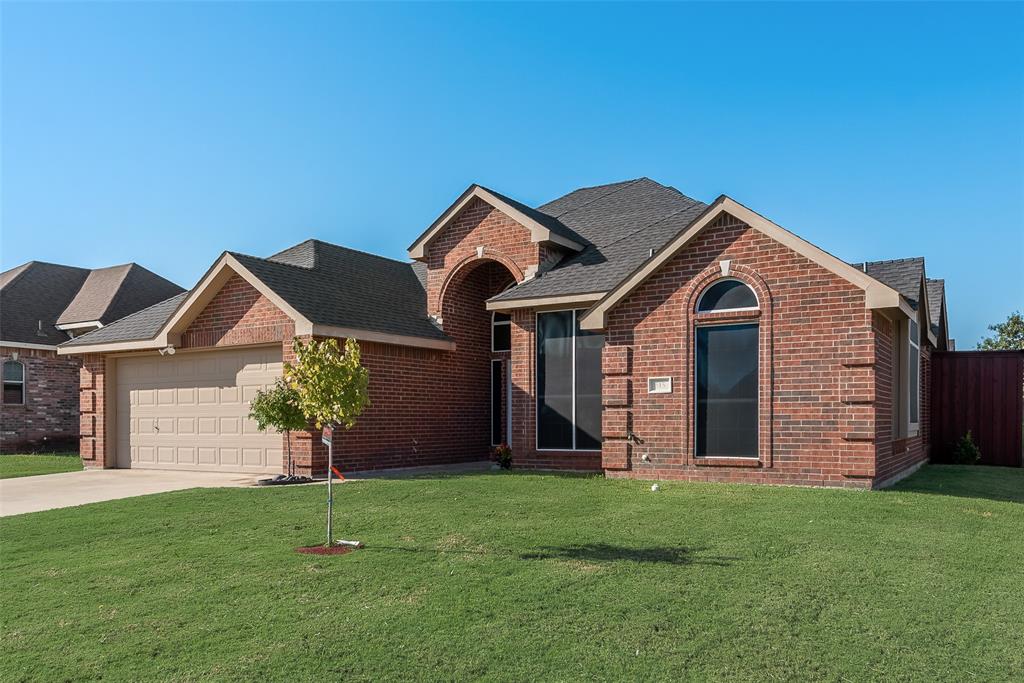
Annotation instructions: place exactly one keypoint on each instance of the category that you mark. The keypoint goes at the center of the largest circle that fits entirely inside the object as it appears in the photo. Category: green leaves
(331, 385)
(1009, 336)
(277, 408)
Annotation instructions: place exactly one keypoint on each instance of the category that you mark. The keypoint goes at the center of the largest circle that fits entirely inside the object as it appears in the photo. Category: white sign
(659, 385)
(326, 435)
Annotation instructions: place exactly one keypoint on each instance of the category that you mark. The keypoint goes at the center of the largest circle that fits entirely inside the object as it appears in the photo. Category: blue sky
(167, 133)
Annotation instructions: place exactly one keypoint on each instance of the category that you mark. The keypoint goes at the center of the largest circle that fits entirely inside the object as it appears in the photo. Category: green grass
(30, 465)
(523, 577)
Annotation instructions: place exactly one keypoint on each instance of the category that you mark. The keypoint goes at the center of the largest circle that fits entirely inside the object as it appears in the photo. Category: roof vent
(39, 330)
(650, 252)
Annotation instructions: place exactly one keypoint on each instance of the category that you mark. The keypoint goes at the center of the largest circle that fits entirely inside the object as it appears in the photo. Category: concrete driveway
(51, 491)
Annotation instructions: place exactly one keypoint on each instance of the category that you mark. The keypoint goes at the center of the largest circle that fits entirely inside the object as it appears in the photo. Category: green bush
(966, 451)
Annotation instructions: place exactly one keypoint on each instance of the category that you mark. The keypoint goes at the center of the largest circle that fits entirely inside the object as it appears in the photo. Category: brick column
(92, 397)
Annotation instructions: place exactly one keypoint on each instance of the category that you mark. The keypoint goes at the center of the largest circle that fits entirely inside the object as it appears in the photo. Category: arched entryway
(480, 390)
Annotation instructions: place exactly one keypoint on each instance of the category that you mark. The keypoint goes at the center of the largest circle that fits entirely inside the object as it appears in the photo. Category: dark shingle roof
(343, 287)
(53, 294)
(32, 299)
(622, 223)
(936, 304)
(903, 274)
(326, 283)
(135, 327)
(109, 294)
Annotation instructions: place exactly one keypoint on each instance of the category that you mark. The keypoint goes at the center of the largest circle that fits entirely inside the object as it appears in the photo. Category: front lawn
(521, 577)
(30, 465)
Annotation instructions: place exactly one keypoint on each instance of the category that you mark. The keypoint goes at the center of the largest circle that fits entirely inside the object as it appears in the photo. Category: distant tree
(278, 408)
(1009, 336)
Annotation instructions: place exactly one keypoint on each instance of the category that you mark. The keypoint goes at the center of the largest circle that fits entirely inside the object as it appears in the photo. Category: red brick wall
(237, 314)
(48, 420)
(92, 399)
(817, 412)
(478, 225)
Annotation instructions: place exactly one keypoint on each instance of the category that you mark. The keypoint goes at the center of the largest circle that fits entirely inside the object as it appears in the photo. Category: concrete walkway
(52, 491)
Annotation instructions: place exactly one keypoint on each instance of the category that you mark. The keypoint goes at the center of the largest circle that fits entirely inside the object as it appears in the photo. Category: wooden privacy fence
(980, 391)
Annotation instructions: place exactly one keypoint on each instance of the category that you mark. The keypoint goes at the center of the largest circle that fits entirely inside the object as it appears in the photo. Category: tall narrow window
(568, 383)
(501, 332)
(14, 382)
(726, 391)
(914, 373)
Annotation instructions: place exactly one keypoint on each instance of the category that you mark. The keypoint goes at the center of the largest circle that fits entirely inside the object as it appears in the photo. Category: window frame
(536, 372)
(708, 287)
(494, 324)
(23, 382)
(696, 360)
(913, 397)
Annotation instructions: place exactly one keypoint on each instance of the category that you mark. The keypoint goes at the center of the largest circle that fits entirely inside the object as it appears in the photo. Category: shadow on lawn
(603, 552)
(1002, 484)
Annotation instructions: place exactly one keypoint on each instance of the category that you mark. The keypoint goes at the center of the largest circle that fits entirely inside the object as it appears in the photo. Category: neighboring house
(626, 328)
(43, 305)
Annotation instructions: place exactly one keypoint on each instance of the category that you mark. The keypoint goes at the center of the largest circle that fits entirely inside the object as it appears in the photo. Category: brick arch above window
(764, 317)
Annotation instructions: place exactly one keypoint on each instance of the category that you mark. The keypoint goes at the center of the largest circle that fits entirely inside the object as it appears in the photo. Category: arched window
(727, 295)
(14, 382)
(501, 331)
(726, 375)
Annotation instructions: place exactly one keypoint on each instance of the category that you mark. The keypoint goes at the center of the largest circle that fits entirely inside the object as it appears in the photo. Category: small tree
(332, 388)
(1009, 336)
(278, 408)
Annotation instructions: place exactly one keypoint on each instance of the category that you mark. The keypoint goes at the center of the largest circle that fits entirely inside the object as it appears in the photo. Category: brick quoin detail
(48, 419)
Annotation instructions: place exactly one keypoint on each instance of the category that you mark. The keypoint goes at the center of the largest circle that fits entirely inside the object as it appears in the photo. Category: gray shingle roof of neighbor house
(620, 224)
(37, 296)
(110, 294)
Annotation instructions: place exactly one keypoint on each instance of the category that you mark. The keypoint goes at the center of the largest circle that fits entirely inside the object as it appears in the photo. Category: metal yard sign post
(327, 437)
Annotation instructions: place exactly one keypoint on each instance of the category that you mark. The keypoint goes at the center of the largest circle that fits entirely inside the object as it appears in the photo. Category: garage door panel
(190, 411)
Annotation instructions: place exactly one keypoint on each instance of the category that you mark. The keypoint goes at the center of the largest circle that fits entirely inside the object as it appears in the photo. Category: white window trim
(696, 309)
(22, 382)
(757, 324)
(495, 323)
(913, 346)
(536, 400)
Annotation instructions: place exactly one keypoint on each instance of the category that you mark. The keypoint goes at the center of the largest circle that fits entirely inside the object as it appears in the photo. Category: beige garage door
(188, 411)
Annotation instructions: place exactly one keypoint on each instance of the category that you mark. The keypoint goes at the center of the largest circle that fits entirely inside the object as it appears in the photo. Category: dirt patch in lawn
(324, 550)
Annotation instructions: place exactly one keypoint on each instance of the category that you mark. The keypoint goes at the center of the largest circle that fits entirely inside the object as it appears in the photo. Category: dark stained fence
(980, 391)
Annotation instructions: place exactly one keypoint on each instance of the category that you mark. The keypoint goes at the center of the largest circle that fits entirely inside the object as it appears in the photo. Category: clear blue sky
(167, 133)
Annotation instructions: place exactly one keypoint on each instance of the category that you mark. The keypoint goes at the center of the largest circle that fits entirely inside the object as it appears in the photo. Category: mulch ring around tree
(324, 549)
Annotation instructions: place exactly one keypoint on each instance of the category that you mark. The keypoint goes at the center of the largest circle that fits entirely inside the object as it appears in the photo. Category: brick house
(624, 328)
(41, 306)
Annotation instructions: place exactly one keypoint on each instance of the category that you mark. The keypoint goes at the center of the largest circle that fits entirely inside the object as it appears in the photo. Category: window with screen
(726, 388)
(568, 383)
(14, 382)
